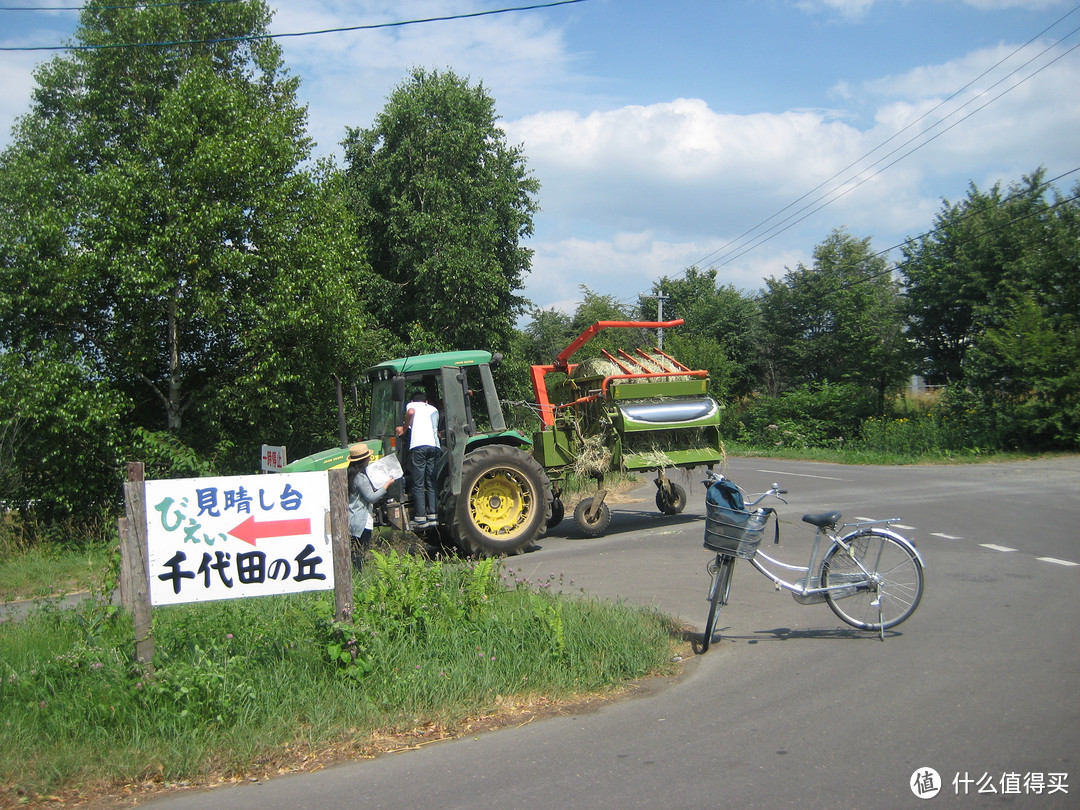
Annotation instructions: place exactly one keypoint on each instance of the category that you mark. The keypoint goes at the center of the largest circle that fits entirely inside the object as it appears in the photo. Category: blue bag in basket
(729, 527)
(725, 493)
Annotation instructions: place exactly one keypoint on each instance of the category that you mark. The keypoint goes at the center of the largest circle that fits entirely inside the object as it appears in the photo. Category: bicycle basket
(734, 531)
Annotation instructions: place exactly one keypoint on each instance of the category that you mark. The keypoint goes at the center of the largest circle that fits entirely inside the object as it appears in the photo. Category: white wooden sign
(273, 458)
(238, 536)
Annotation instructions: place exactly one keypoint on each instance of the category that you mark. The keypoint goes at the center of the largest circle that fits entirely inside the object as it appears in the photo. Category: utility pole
(660, 299)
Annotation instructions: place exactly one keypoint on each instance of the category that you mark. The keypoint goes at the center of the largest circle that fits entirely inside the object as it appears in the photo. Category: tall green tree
(993, 296)
(548, 333)
(1027, 373)
(595, 307)
(838, 321)
(159, 227)
(721, 329)
(982, 255)
(61, 430)
(442, 204)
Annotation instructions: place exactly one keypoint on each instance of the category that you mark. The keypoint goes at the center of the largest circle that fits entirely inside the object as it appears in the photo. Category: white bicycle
(871, 576)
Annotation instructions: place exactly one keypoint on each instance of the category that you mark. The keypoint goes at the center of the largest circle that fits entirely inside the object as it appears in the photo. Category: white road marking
(862, 519)
(992, 547)
(1056, 561)
(945, 536)
(801, 475)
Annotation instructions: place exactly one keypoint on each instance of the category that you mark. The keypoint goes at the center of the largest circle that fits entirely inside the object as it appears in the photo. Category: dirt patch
(623, 491)
(511, 712)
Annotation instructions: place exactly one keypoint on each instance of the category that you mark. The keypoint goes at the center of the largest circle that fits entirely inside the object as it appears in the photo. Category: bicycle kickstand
(880, 618)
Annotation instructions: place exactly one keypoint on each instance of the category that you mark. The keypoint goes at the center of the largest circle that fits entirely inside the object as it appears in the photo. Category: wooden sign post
(255, 536)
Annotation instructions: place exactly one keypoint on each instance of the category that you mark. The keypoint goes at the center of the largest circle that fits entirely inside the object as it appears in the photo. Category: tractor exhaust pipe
(341, 413)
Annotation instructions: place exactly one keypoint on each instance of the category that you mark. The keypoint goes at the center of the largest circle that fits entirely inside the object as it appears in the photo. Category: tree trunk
(173, 408)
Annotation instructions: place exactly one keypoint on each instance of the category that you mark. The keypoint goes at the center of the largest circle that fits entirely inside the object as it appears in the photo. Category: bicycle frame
(807, 590)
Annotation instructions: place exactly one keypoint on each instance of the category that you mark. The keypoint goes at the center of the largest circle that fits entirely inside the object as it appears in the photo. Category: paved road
(791, 708)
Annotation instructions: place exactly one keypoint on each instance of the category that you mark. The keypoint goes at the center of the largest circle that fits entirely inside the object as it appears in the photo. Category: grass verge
(52, 569)
(877, 457)
(267, 685)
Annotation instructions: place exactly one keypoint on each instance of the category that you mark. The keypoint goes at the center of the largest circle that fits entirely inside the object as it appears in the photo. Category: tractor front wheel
(505, 502)
(558, 512)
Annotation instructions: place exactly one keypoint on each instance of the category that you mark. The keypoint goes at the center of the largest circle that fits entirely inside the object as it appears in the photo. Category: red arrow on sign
(249, 531)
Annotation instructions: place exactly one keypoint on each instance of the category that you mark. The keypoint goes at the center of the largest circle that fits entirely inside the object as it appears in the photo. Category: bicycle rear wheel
(721, 569)
(885, 594)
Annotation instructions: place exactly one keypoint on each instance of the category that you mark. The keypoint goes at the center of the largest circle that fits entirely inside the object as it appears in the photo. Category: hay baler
(623, 411)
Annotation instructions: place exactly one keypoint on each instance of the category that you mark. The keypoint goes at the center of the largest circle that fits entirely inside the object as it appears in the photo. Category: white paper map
(381, 471)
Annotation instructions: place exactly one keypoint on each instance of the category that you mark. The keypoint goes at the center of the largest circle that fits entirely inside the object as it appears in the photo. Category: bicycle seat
(822, 519)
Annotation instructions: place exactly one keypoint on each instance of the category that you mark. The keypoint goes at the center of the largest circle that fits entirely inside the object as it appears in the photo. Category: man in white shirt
(422, 422)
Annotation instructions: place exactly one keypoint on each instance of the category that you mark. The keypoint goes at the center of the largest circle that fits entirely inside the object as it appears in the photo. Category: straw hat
(359, 452)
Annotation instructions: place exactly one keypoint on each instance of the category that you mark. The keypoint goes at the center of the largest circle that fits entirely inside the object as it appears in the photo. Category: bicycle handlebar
(775, 490)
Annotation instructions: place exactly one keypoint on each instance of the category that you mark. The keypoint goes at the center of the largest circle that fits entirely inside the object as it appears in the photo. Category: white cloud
(628, 263)
(1031, 5)
(848, 9)
(678, 165)
(1017, 116)
(856, 10)
(16, 81)
(519, 58)
(686, 181)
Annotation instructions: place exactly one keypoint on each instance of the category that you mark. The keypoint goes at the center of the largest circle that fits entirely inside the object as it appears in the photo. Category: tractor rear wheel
(505, 502)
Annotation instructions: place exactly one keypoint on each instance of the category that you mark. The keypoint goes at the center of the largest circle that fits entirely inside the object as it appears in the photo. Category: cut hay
(644, 363)
(593, 458)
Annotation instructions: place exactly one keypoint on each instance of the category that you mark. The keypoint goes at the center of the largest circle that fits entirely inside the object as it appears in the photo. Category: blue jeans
(423, 466)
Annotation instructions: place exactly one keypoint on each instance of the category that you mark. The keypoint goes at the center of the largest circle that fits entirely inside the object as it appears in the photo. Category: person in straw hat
(362, 497)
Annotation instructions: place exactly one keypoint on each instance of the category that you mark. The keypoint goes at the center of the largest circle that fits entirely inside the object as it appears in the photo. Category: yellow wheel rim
(500, 502)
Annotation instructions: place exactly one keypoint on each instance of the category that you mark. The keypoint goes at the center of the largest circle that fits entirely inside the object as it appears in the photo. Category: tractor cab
(458, 384)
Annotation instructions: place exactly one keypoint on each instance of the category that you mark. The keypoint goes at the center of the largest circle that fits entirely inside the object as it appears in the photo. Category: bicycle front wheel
(721, 570)
(885, 579)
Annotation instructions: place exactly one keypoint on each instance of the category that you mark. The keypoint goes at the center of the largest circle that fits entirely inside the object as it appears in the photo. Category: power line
(889, 269)
(734, 244)
(256, 37)
(1020, 193)
(1041, 188)
(841, 193)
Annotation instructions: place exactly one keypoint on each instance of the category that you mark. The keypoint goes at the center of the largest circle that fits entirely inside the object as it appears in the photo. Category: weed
(240, 680)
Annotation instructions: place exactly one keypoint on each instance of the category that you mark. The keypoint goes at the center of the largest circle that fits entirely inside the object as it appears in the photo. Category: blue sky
(671, 133)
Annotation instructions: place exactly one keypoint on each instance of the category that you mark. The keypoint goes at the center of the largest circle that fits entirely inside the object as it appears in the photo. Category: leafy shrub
(826, 415)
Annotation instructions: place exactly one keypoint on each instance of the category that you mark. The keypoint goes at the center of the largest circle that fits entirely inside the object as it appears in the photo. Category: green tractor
(499, 491)
(494, 497)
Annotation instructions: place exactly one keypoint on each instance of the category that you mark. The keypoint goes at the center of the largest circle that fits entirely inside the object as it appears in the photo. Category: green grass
(252, 684)
(872, 456)
(51, 569)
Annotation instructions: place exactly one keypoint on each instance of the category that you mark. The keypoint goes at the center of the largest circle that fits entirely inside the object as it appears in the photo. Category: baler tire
(558, 512)
(677, 502)
(599, 522)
